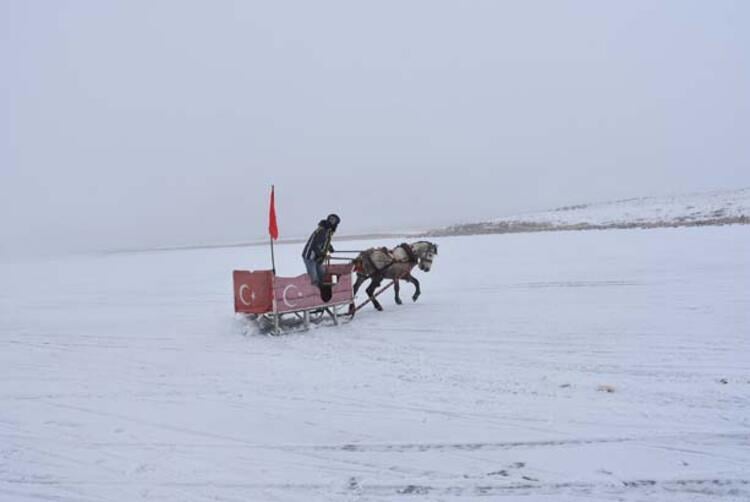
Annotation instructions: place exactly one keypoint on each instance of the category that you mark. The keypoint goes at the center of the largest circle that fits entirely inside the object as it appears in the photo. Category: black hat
(334, 219)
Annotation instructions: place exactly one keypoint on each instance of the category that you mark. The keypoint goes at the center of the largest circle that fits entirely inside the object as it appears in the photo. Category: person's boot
(326, 292)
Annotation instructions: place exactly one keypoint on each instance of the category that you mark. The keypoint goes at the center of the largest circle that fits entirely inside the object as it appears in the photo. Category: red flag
(273, 229)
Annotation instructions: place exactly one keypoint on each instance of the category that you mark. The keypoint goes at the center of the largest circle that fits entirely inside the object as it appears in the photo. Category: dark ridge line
(518, 227)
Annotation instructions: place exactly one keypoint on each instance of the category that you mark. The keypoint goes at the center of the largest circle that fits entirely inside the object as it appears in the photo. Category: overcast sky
(139, 123)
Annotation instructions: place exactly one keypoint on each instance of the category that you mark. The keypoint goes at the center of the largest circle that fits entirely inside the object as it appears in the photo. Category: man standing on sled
(318, 247)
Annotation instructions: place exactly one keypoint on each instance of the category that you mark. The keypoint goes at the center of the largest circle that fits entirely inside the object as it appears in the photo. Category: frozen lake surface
(602, 365)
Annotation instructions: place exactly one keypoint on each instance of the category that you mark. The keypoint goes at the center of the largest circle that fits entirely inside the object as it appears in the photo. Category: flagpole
(273, 259)
(273, 232)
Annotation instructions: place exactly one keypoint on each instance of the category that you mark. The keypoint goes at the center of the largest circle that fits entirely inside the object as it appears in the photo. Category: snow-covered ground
(682, 208)
(610, 365)
(708, 208)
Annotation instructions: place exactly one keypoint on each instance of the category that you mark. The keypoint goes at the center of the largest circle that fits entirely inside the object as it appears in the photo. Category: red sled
(281, 302)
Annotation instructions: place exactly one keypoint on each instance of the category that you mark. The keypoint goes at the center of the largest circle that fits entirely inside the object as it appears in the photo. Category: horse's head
(425, 252)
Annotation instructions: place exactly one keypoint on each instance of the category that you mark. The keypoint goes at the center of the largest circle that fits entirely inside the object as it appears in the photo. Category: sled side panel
(253, 291)
(297, 294)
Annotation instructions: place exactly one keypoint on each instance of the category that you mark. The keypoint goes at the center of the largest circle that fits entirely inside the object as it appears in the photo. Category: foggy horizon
(154, 124)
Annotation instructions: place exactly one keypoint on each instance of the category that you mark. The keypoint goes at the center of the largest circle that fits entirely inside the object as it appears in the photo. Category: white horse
(377, 264)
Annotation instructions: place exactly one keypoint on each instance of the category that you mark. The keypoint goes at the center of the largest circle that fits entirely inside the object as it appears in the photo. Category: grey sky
(138, 123)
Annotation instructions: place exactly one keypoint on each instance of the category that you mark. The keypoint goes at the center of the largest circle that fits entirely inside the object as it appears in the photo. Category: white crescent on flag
(241, 294)
(284, 297)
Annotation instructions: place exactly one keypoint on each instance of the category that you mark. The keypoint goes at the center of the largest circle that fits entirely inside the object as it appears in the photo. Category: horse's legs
(374, 283)
(361, 278)
(397, 289)
(417, 291)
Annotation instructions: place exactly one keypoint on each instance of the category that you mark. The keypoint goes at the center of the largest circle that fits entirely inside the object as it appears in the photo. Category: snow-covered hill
(576, 366)
(710, 208)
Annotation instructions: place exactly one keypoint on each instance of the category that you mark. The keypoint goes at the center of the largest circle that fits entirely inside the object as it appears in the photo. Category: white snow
(127, 377)
(647, 210)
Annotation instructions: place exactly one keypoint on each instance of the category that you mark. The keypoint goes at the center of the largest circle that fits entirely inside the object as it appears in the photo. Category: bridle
(424, 262)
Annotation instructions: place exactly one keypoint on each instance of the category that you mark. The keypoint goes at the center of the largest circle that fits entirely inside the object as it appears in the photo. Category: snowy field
(688, 208)
(601, 365)
(706, 208)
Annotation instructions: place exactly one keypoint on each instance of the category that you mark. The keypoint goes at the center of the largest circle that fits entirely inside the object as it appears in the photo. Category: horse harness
(409, 252)
(412, 258)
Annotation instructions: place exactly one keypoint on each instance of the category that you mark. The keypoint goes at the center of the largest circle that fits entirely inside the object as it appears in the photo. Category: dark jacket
(319, 243)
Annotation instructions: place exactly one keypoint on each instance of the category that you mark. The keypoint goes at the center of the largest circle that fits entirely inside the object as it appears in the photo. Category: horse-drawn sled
(279, 303)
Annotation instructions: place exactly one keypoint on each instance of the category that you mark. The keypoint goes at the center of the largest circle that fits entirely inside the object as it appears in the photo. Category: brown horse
(377, 264)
